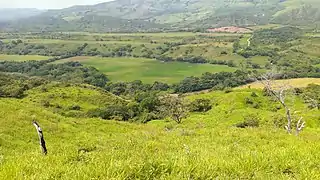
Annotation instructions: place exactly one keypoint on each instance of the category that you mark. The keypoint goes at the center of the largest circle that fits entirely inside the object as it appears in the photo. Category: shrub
(75, 107)
(266, 92)
(248, 101)
(117, 112)
(228, 90)
(253, 94)
(297, 91)
(224, 53)
(231, 64)
(168, 127)
(45, 103)
(279, 121)
(311, 96)
(249, 121)
(200, 105)
(256, 105)
(146, 117)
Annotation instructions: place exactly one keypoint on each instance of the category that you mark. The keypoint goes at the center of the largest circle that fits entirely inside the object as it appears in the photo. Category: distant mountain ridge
(9, 14)
(151, 15)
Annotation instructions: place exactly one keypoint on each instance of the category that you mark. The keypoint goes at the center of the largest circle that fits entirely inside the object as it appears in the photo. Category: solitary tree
(174, 107)
(280, 94)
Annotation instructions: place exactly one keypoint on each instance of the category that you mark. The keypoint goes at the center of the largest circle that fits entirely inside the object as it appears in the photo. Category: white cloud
(45, 4)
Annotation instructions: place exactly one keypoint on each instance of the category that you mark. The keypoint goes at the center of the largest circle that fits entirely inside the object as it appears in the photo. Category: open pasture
(147, 70)
(5, 57)
(300, 82)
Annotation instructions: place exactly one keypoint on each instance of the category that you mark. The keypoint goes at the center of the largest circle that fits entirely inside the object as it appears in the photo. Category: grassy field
(214, 47)
(301, 82)
(114, 38)
(163, 34)
(147, 70)
(4, 57)
(135, 34)
(59, 41)
(204, 146)
(261, 60)
(268, 26)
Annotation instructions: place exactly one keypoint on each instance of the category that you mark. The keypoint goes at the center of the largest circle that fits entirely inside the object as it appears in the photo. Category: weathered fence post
(41, 138)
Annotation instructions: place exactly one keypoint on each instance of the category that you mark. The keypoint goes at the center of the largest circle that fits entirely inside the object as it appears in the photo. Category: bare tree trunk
(288, 126)
(41, 138)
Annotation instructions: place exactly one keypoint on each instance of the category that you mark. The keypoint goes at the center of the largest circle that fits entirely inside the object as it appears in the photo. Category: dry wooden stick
(41, 138)
(300, 126)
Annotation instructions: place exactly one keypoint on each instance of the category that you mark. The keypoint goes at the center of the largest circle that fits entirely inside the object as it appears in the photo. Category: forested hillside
(149, 15)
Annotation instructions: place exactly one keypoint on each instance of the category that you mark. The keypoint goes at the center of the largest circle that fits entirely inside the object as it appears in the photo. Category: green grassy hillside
(299, 12)
(204, 146)
(71, 100)
(149, 15)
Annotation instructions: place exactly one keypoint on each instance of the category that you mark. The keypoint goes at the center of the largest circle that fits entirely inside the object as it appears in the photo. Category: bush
(311, 96)
(249, 121)
(45, 103)
(117, 112)
(297, 91)
(266, 92)
(223, 53)
(228, 90)
(146, 117)
(248, 101)
(200, 105)
(279, 121)
(231, 64)
(75, 107)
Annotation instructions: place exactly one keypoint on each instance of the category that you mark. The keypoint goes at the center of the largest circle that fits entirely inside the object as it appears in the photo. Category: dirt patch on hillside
(230, 29)
(78, 58)
(298, 83)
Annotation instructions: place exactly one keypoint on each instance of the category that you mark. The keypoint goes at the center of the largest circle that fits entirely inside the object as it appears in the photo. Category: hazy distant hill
(14, 14)
(149, 15)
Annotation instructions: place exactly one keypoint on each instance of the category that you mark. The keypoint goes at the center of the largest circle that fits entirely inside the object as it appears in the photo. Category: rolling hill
(205, 146)
(8, 14)
(149, 15)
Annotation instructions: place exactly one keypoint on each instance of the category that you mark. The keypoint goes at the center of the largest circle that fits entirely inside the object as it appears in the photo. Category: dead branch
(300, 126)
(41, 138)
(280, 95)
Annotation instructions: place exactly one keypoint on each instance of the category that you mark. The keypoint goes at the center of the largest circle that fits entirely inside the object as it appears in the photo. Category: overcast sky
(45, 4)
